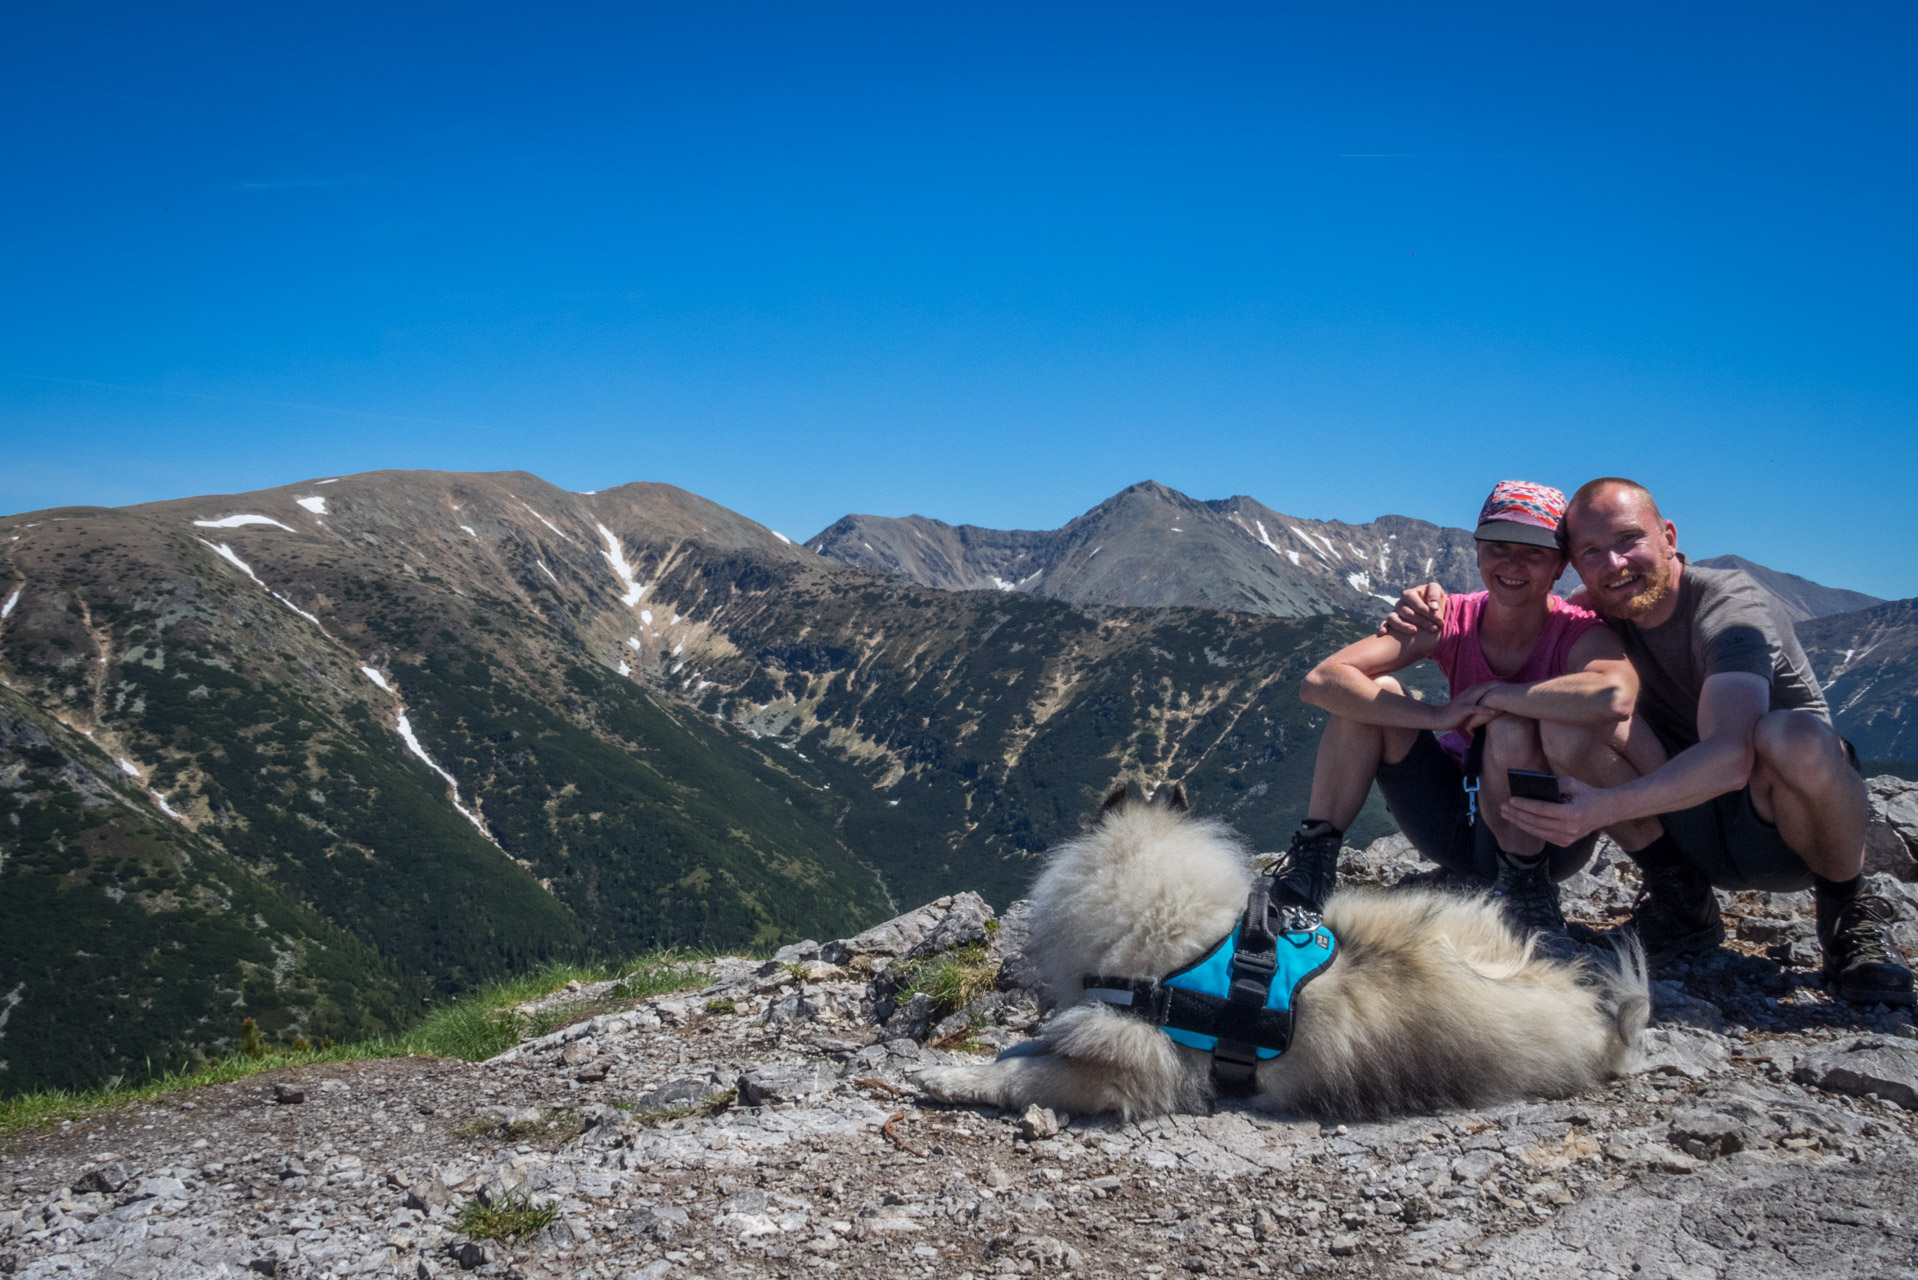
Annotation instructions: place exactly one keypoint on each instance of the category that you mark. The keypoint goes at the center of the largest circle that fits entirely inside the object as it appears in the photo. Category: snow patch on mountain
(127, 767)
(226, 553)
(316, 505)
(548, 523)
(405, 728)
(616, 558)
(235, 522)
(11, 601)
(376, 678)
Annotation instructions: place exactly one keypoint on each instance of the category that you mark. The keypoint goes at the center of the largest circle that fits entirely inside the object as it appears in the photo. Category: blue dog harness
(1236, 1001)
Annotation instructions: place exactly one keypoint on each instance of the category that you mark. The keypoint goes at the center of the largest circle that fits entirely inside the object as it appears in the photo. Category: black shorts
(1426, 794)
(1735, 848)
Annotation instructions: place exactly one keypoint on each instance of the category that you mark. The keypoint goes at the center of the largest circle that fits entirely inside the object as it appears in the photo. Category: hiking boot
(1676, 914)
(1529, 901)
(1861, 964)
(1305, 872)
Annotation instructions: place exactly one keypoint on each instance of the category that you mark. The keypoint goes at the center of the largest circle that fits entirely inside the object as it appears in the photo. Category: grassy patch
(474, 1028)
(721, 1006)
(951, 979)
(508, 1218)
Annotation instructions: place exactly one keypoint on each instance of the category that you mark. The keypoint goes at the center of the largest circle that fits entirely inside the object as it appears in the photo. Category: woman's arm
(1600, 688)
(1347, 685)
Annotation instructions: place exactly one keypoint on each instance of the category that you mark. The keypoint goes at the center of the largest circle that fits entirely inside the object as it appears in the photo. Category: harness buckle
(1297, 919)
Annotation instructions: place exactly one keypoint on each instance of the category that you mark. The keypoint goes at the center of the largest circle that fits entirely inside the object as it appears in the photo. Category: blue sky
(984, 264)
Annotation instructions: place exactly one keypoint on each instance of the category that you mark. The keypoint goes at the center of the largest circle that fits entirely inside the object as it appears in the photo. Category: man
(1752, 787)
(1517, 659)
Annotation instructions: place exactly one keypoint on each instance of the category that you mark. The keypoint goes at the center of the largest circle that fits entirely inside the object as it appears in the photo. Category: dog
(1431, 1002)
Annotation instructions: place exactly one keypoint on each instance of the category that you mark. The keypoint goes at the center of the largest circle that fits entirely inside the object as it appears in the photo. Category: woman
(1519, 662)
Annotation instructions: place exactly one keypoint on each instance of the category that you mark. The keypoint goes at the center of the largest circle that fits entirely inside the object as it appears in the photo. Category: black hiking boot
(1676, 914)
(1861, 964)
(1525, 893)
(1306, 872)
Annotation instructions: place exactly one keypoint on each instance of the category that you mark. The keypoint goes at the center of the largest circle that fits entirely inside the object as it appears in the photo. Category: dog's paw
(952, 1084)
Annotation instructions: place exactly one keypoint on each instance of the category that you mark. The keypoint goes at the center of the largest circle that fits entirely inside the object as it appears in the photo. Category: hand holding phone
(1530, 784)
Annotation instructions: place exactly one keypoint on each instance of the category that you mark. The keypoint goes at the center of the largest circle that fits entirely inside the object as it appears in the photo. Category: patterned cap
(1520, 511)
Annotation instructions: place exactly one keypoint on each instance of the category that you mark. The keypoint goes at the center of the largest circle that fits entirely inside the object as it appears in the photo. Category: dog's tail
(1628, 993)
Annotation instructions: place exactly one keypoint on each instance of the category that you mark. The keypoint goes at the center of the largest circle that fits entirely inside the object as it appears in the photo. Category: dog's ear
(1172, 796)
(1113, 801)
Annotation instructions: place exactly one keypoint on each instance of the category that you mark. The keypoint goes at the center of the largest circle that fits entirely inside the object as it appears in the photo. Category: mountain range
(316, 754)
(1151, 546)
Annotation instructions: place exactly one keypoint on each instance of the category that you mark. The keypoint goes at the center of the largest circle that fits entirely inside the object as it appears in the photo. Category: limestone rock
(784, 1082)
(1870, 1064)
(1038, 1123)
(1680, 1051)
(903, 933)
(1008, 945)
(1891, 842)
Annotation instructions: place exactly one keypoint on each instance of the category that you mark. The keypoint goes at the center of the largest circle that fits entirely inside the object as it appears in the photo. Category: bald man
(1751, 788)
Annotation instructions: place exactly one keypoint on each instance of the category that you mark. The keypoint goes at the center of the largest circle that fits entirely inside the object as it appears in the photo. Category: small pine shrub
(251, 1043)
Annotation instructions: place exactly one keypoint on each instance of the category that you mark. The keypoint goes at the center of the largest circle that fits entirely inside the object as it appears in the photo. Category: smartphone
(1529, 784)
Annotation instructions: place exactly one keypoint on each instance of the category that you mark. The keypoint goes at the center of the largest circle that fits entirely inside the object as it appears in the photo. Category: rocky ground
(766, 1125)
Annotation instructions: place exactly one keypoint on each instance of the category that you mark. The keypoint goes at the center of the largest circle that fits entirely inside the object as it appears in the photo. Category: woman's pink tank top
(1458, 654)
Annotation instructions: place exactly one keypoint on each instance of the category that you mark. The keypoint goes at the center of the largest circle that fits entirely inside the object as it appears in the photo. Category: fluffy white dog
(1431, 1002)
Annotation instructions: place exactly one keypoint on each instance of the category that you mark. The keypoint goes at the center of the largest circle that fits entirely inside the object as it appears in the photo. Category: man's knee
(1568, 746)
(1799, 749)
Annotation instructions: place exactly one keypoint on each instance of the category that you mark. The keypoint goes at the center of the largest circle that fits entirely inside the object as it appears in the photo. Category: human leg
(1511, 742)
(1426, 796)
(1523, 884)
(1803, 784)
(1806, 789)
(1607, 755)
(1349, 757)
(1678, 855)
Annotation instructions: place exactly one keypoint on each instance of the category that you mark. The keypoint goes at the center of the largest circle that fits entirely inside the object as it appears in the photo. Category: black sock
(1524, 861)
(1833, 896)
(1319, 827)
(1659, 855)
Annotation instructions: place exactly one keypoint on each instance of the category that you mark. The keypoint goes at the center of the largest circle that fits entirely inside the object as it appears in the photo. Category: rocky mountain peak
(1151, 545)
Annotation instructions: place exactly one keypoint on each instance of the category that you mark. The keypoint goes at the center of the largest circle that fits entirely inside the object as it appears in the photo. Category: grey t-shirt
(1724, 622)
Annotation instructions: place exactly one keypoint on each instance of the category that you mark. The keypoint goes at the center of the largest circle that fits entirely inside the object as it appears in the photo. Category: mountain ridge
(1168, 549)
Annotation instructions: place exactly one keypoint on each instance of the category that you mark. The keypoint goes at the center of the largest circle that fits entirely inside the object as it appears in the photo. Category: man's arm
(1419, 609)
(1600, 688)
(1728, 708)
(1346, 684)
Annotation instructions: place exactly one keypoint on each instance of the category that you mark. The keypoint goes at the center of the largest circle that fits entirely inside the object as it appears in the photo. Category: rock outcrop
(765, 1124)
